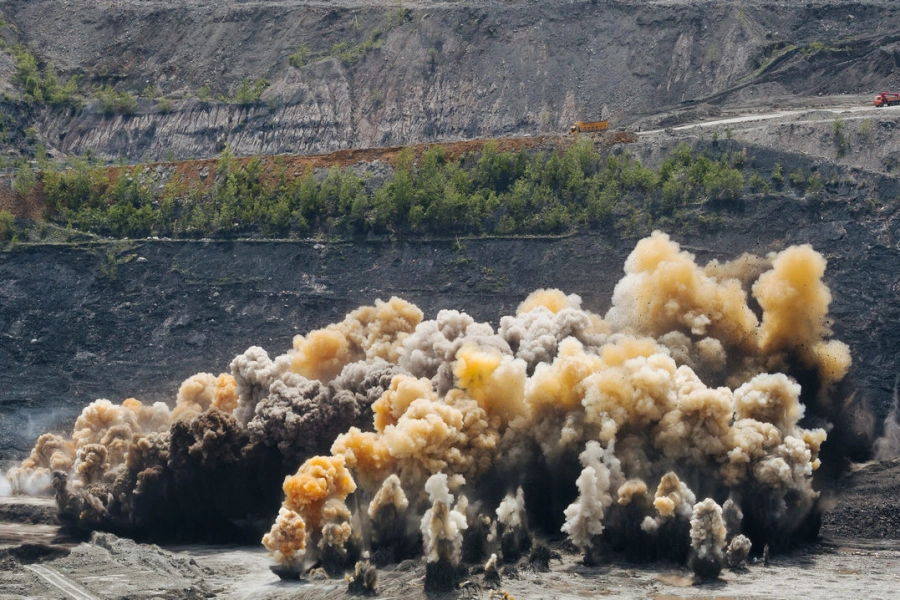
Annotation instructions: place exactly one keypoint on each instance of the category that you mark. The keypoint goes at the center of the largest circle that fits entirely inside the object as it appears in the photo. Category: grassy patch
(767, 62)
(486, 193)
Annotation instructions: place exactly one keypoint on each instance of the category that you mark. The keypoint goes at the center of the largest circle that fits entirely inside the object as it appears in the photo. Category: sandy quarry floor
(849, 570)
(110, 567)
(858, 557)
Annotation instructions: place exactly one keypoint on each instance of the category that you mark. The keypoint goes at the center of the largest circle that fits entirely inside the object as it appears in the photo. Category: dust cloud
(673, 427)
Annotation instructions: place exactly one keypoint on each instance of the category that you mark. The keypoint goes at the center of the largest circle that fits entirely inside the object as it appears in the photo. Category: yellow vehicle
(588, 127)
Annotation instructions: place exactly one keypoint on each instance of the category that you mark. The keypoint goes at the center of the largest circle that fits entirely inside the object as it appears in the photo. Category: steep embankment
(386, 73)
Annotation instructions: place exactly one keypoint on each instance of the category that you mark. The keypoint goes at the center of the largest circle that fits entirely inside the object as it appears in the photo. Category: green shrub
(41, 157)
(866, 130)
(841, 139)
(600, 204)
(399, 15)
(247, 94)
(299, 57)
(42, 88)
(778, 176)
(24, 181)
(758, 185)
(816, 46)
(127, 103)
(814, 186)
(111, 102)
(812, 48)
(723, 183)
(7, 225)
(432, 57)
(350, 54)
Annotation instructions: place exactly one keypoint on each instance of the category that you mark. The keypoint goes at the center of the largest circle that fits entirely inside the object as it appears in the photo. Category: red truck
(887, 99)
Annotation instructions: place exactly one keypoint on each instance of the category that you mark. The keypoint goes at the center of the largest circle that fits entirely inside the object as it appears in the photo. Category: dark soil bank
(390, 73)
(137, 318)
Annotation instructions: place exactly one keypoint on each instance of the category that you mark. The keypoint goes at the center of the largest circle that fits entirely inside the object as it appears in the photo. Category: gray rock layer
(436, 70)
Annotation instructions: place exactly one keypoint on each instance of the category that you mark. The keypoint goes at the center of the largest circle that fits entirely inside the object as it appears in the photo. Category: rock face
(389, 73)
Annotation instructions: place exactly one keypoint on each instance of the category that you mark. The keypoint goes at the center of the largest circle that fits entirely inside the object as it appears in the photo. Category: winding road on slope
(795, 115)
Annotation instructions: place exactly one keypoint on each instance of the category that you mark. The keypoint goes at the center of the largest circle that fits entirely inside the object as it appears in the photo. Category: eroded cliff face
(422, 72)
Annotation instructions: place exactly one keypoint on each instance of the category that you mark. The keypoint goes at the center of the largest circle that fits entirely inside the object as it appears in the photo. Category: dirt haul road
(843, 108)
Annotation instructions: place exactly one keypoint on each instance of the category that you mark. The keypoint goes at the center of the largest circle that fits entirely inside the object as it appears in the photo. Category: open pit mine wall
(432, 71)
(137, 318)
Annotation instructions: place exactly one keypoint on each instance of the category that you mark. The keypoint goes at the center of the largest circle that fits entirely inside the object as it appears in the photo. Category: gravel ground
(858, 557)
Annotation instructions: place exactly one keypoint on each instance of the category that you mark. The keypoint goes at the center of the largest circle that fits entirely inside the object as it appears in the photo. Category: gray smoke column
(512, 526)
(364, 579)
(733, 516)
(584, 518)
(391, 537)
(336, 552)
(707, 539)
(254, 372)
(442, 528)
(738, 551)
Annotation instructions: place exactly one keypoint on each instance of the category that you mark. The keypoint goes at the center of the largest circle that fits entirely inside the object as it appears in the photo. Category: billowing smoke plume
(584, 517)
(287, 539)
(664, 291)
(625, 432)
(512, 526)
(738, 551)
(544, 320)
(431, 350)
(313, 518)
(442, 534)
(50, 453)
(367, 333)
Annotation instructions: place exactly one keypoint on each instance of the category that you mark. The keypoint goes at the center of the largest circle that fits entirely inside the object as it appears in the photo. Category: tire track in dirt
(61, 582)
